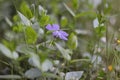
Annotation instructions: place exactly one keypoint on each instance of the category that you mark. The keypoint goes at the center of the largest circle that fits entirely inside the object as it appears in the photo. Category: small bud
(110, 68)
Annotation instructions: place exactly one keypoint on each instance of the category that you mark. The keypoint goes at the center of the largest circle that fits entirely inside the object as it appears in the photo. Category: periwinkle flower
(57, 32)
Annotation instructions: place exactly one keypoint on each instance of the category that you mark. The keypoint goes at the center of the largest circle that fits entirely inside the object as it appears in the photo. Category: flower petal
(53, 27)
(60, 35)
(56, 27)
(56, 33)
(63, 37)
(49, 27)
(63, 33)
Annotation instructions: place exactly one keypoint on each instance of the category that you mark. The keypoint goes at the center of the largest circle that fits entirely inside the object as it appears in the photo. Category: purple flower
(57, 32)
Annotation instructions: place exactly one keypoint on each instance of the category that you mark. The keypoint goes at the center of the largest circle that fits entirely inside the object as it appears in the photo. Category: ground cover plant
(59, 40)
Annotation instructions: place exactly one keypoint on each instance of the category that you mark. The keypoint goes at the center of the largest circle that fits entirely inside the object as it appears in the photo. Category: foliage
(60, 40)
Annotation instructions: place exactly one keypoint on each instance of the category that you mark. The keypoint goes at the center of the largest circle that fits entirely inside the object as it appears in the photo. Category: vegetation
(59, 40)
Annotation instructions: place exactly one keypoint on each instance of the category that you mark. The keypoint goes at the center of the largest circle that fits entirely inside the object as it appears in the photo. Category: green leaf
(80, 60)
(87, 13)
(25, 21)
(18, 28)
(5, 51)
(75, 4)
(9, 44)
(33, 73)
(24, 49)
(8, 21)
(69, 10)
(15, 18)
(100, 31)
(65, 53)
(8, 53)
(24, 8)
(44, 20)
(34, 60)
(74, 75)
(10, 77)
(72, 41)
(15, 55)
(46, 65)
(41, 10)
(64, 21)
(101, 18)
(31, 35)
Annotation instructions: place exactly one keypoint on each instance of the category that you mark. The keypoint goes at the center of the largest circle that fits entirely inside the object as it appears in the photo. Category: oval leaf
(24, 19)
(72, 41)
(75, 75)
(65, 53)
(15, 55)
(31, 35)
(47, 65)
(32, 73)
(34, 60)
(5, 51)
